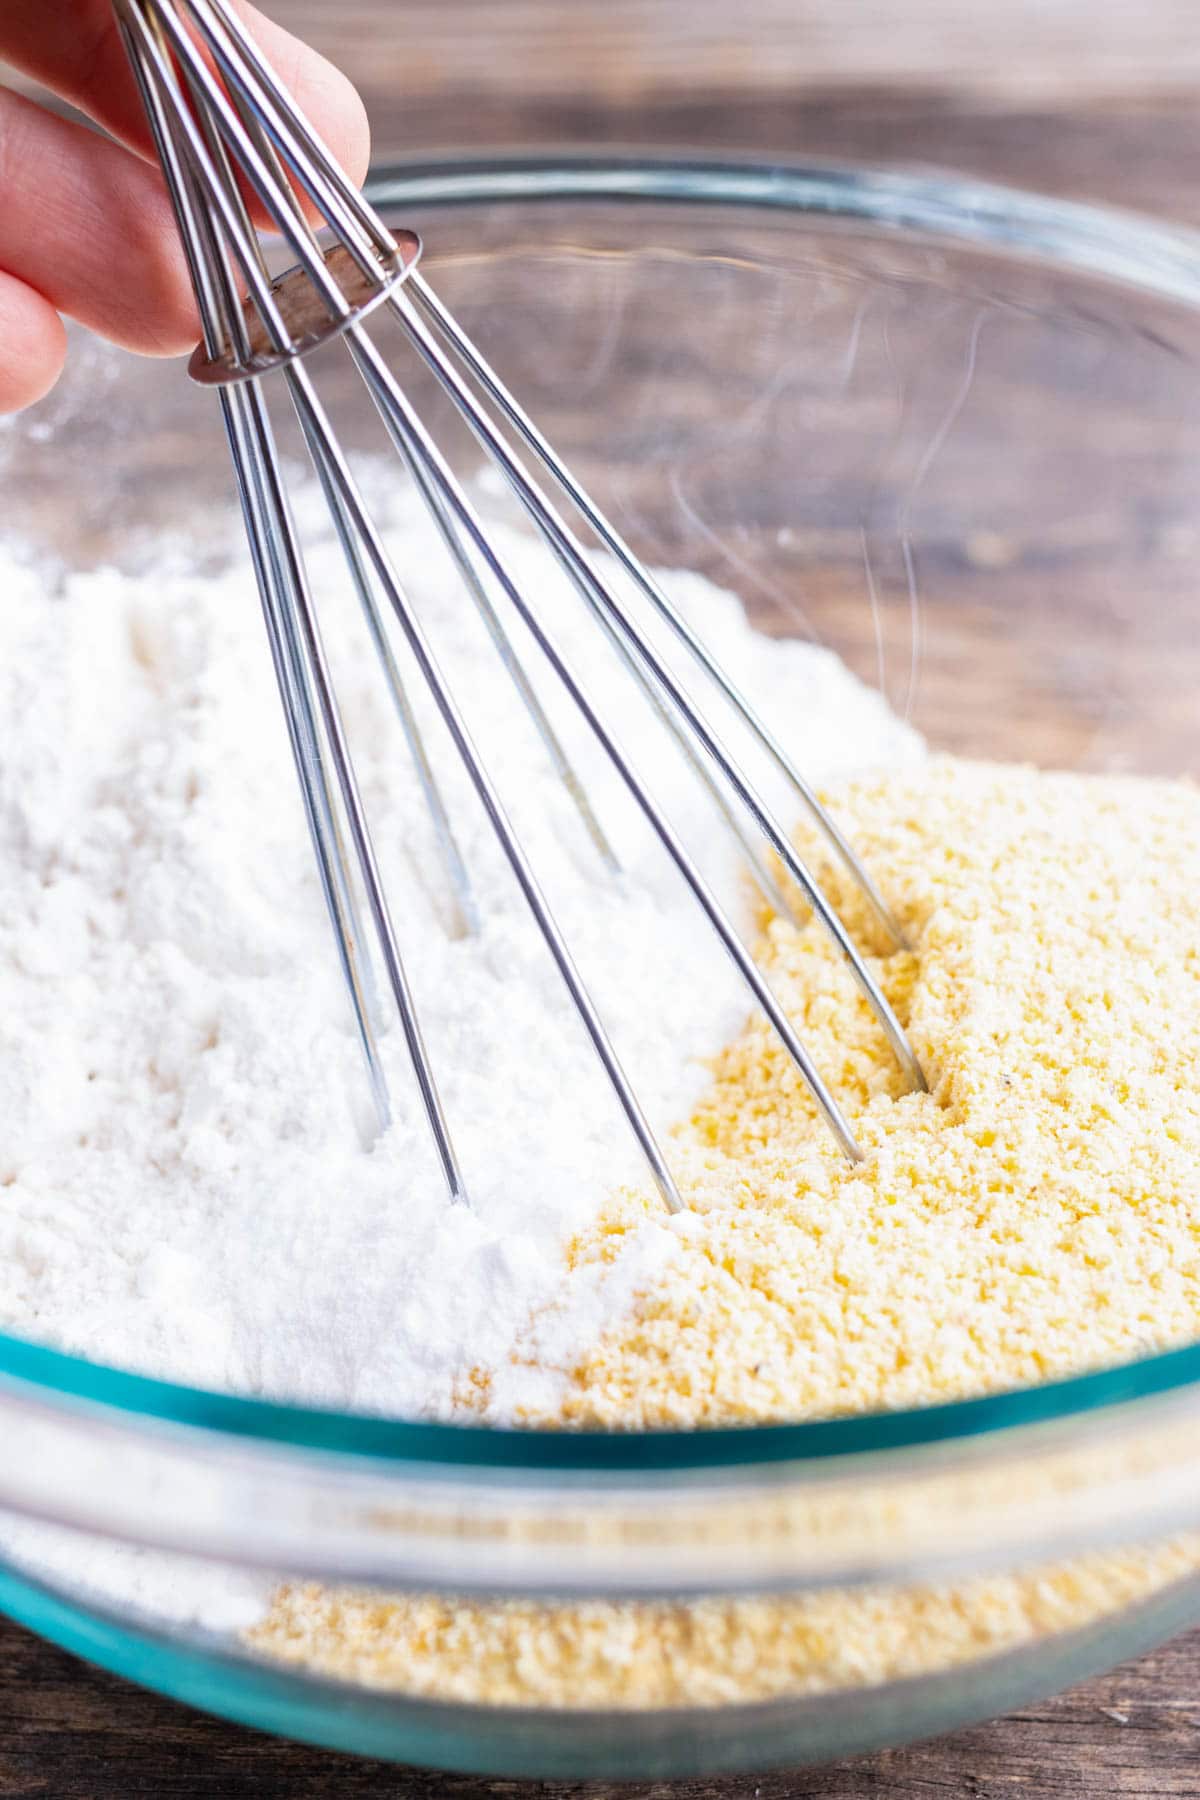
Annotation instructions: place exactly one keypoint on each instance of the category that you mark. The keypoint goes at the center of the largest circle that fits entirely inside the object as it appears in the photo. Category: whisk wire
(297, 651)
(245, 424)
(316, 428)
(328, 458)
(263, 163)
(327, 455)
(205, 120)
(417, 289)
(597, 593)
(275, 552)
(466, 920)
(242, 66)
(431, 472)
(466, 910)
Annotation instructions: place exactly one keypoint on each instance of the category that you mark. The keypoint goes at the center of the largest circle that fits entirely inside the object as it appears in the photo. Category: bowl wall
(955, 436)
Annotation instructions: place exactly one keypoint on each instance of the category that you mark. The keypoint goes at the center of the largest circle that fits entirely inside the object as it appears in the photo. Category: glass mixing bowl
(950, 431)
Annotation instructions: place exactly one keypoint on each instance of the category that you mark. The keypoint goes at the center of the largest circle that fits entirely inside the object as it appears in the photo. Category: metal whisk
(223, 126)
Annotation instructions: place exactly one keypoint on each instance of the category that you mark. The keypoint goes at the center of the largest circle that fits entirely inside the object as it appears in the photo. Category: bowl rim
(1117, 246)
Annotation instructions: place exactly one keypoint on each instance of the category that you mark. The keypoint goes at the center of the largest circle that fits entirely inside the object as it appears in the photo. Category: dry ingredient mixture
(1034, 1214)
(717, 1652)
(186, 1188)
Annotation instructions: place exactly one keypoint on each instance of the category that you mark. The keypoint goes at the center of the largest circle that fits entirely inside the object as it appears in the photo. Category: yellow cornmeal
(641, 1655)
(1034, 1214)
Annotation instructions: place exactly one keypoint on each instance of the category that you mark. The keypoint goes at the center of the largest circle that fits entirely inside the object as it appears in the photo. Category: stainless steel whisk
(224, 126)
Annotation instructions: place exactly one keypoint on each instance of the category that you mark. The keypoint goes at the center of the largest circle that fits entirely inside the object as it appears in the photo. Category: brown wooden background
(1093, 98)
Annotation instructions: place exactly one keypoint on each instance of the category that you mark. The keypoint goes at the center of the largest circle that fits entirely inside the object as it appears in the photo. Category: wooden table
(1095, 98)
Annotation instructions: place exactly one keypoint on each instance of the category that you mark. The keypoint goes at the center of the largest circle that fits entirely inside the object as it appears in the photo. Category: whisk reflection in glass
(223, 126)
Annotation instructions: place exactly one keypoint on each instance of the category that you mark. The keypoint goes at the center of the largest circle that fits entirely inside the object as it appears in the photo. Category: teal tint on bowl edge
(72, 1378)
(523, 1743)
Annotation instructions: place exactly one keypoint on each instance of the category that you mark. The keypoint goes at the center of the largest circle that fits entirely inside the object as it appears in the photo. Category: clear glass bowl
(954, 433)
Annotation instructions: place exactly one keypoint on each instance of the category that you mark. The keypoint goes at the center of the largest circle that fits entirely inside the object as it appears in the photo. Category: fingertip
(161, 317)
(86, 230)
(333, 104)
(33, 345)
(348, 130)
(321, 91)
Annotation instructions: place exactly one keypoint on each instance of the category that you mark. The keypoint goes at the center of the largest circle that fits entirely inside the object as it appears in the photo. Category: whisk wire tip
(224, 127)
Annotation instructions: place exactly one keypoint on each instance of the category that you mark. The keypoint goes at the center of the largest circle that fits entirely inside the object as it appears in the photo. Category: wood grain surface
(69, 1732)
(1096, 98)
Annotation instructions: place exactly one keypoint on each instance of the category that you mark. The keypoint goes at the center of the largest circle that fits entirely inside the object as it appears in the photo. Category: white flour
(184, 1188)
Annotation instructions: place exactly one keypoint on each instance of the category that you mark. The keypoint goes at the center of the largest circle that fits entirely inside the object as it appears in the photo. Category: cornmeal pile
(642, 1655)
(1036, 1213)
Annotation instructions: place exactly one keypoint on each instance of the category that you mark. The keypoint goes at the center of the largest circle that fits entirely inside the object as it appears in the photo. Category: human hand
(86, 228)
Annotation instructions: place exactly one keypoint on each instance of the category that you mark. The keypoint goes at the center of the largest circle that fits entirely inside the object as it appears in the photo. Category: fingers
(326, 97)
(89, 228)
(86, 228)
(32, 345)
(76, 51)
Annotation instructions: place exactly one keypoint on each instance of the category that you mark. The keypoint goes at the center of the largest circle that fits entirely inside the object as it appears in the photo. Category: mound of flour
(186, 1185)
